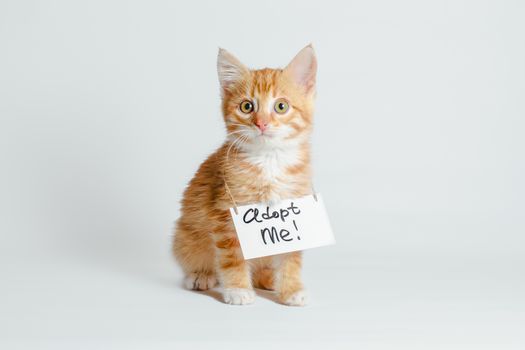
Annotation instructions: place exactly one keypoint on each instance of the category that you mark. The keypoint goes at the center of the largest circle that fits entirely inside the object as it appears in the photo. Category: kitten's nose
(261, 124)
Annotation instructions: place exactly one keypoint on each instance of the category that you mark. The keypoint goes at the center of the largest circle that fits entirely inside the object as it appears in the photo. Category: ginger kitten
(265, 158)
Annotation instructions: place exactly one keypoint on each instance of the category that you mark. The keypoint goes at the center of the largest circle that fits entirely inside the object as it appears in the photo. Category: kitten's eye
(246, 107)
(281, 106)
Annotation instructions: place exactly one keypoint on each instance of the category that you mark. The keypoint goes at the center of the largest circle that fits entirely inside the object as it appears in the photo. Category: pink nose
(261, 125)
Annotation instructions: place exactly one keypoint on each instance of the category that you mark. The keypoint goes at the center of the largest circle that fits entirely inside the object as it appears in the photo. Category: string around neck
(231, 196)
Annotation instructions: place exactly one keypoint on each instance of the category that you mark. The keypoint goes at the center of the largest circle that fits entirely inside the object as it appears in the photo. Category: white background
(108, 107)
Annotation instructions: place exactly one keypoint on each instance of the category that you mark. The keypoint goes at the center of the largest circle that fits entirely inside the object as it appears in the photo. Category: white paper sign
(290, 225)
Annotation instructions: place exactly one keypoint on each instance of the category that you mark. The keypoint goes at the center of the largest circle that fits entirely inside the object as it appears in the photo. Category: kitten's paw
(238, 296)
(299, 298)
(200, 281)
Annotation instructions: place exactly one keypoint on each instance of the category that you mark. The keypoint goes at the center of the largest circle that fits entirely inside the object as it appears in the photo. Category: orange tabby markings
(259, 164)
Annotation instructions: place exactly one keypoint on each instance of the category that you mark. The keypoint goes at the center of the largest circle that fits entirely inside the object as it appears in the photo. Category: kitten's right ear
(303, 68)
(230, 69)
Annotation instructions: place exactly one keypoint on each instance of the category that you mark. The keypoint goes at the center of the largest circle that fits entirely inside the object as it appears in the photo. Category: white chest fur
(273, 161)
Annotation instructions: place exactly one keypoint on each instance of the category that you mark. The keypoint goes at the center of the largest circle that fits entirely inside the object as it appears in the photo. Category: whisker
(237, 146)
(235, 132)
(244, 139)
(229, 148)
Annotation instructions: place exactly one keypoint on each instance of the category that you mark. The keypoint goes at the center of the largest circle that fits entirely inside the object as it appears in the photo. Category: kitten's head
(268, 106)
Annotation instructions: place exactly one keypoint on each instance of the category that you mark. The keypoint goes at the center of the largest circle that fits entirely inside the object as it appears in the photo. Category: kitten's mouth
(264, 135)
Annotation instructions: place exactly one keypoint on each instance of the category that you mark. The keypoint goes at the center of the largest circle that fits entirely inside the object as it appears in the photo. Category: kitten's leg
(232, 270)
(200, 280)
(263, 273)
(288, 279)
(194, 251)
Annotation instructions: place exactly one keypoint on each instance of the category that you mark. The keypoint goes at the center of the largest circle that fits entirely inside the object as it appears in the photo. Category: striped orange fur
(265, 158)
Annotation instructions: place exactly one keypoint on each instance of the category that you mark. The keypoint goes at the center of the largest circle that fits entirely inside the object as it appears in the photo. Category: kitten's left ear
(230, 69)
(303, 68)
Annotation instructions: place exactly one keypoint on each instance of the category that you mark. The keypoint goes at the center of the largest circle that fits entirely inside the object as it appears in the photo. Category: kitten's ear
(303, 68)
(229, 68)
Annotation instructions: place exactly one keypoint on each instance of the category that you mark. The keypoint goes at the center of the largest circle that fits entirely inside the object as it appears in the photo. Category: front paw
(299, 298)
(238, 296)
